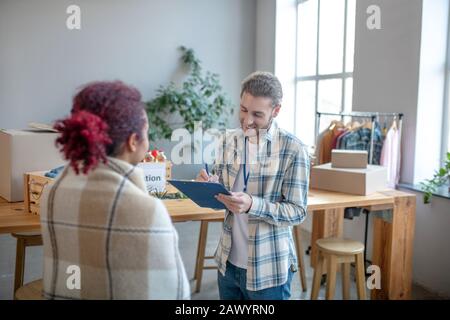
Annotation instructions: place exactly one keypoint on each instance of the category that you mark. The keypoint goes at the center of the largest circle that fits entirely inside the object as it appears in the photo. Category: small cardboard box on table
(24, 151)
(352, 181)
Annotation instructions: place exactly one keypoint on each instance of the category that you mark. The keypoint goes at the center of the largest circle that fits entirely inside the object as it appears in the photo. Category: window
(446, 115)
(431, 129)
(446, 110)
(324, 71)
(445, 143)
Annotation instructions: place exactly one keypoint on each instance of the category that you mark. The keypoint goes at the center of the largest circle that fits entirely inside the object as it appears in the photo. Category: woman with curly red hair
(98, 216)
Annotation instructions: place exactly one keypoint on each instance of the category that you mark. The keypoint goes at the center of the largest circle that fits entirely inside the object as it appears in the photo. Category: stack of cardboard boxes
(349, 172)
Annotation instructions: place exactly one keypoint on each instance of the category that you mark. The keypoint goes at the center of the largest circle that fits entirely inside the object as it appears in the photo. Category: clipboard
(202, 193)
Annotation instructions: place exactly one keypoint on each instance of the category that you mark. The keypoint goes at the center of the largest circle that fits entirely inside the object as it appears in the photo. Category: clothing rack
(374, 117)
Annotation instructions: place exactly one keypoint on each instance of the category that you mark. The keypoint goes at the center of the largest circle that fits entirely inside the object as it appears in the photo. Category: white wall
(42, 63)
(265, 35)
(431, 263)
(385, 76)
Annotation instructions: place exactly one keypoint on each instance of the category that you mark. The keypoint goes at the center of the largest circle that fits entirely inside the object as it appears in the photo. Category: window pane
(348, 94)
(446, 127)
(306, 111)
(307, 38)
(350, 46)
(330, 92)
(448, 146)
(331, 36)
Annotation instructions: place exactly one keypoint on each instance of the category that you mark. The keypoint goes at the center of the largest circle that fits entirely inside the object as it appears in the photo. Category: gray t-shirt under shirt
(239, 235)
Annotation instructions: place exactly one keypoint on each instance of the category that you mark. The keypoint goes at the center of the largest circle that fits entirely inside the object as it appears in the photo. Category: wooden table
(393, 231)
(14, 219)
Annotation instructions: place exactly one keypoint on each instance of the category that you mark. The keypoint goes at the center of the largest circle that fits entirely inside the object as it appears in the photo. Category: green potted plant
(199, 98)
(440, 178)
(164, 195)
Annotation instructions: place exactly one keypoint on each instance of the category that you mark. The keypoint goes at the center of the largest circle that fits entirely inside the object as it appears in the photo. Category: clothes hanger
(394, 123)
(367, 125)
(349, 125)
(384, 129)
(356, 125)
(335, 123)
(332, 125)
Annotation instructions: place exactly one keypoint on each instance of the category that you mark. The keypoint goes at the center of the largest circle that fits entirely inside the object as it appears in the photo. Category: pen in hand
(210, 178)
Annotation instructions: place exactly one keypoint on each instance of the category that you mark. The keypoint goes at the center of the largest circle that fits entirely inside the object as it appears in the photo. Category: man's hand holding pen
(205, 177)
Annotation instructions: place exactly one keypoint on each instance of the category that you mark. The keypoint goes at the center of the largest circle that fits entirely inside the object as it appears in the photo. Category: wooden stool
(200, 262)
(30, 291)
(24, 239)
(331, 252)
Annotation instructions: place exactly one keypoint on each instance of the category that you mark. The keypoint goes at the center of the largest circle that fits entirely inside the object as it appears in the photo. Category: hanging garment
(326, 147)
(360, 140)
(318, 151)
(327, 141)
(390, 156)
(339, 139)
(334, 144)
(350, 213)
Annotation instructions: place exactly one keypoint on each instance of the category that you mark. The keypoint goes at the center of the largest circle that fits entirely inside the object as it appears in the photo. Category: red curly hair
(103, 116)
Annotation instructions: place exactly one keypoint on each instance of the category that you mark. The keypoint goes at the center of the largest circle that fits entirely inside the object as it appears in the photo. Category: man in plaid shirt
(267, 171)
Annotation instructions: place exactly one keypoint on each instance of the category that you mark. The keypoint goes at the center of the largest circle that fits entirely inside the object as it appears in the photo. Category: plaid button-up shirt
(278, 183)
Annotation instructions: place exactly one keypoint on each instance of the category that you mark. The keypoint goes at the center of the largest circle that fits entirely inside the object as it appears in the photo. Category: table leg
(393, 249)
(201, 255)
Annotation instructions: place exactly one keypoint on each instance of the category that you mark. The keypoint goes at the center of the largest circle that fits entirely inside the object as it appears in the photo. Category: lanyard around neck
(246, 175)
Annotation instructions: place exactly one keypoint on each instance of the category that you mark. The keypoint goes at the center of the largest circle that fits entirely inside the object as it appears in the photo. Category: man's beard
(253, 134)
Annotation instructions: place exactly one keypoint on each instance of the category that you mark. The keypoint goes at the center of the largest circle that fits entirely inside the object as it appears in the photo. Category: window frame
(343, 76)
(445, 144)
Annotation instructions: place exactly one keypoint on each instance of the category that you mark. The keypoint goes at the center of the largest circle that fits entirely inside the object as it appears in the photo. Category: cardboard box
(23, 151)
(34, 185)
(356, 159)
(156, 174)
(353, 181)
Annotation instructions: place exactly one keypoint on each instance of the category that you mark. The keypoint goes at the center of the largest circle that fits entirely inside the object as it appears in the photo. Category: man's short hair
(263, 84)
